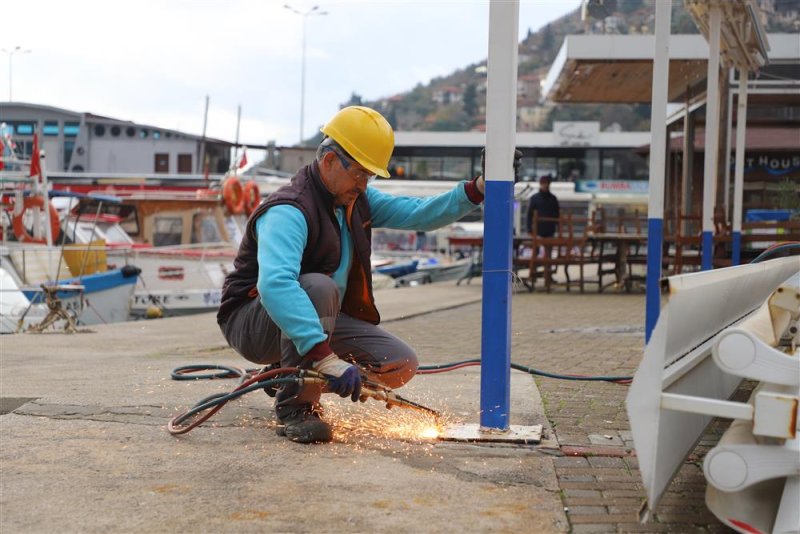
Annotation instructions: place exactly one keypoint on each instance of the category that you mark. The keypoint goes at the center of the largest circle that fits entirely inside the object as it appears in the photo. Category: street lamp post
(15, 50)
(305, 15)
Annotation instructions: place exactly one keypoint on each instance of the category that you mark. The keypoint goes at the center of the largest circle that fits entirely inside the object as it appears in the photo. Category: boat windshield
(204, 228)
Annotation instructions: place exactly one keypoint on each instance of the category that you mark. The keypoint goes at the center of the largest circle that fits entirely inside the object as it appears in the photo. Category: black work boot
(271, 390)
(304, 426)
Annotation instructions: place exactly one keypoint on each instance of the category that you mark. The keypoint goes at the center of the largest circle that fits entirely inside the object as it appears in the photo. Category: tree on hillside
(470, 100)
(355, 100)
(547, 38)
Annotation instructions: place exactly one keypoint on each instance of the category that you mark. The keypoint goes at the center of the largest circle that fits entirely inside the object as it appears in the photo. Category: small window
(167, 231)
(156, 134)
(143, 133)
(162, 163)
(23, 128)
(69, 146)
(130, 131)
(184, 163)
(71, 129)
(167, 134)
(99, 130)
(204, 229)
(50, 129)
(115, 131)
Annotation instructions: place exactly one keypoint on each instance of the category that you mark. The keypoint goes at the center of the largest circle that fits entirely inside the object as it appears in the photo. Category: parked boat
(43, 267)
(184, 244)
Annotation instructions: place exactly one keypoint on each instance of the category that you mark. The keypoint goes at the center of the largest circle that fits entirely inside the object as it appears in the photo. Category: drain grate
(9, 404)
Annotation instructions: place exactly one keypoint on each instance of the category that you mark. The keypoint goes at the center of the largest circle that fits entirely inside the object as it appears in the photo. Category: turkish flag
(243, 161)
(36, 169)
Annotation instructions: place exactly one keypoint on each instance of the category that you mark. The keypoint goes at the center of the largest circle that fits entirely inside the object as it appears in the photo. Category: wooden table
(622, 243)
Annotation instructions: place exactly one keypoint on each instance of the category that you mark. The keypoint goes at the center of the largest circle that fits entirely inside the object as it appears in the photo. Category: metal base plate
(474, 432)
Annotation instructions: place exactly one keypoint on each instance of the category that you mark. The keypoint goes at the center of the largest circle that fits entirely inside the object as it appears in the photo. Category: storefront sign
(577, 133)
(773, 164)
(637, 187)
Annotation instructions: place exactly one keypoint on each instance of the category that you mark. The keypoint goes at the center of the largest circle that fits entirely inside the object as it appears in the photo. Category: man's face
(544, 185)
(347, 179)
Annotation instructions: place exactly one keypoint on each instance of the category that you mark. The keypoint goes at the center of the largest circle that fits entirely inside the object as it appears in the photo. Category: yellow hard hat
(365, 135)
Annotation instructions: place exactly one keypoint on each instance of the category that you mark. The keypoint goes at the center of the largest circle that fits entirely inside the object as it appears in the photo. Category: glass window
(156, 134)
(71, 129)
(115, 234)
(69, 146)
(527, 170)
(184, 163)
(204, 228)
(454, 168)
(624, 164)
(115, 131)
(99, 130)
(400, 166)
(50, 128)
(161, 163)
(22, 128)
(130, 131)
(546, 166)
(426, 168)
(144, 132)
(167, 231)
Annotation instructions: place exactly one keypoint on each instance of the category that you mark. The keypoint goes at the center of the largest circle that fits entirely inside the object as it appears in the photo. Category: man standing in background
(546, 205)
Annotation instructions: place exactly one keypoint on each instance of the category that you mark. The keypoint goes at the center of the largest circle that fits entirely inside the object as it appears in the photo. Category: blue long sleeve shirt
(282, 236)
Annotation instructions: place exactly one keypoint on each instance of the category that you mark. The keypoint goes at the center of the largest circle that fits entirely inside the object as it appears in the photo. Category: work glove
(345, 378)
(517, 163)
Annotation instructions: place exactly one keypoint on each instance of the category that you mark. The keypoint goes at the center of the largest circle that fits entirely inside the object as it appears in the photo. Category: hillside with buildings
(457, 101)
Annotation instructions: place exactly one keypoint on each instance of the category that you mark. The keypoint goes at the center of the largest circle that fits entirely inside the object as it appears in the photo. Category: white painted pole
(712, 136)
(658, 158)
(738, 177)
(729, 144)
(235, 165)
(501, 113)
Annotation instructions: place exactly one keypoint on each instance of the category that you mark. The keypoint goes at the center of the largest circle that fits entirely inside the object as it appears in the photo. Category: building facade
(80, 142)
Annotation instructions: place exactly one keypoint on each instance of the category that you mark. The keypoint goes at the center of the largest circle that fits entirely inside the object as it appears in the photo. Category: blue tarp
(767, 215)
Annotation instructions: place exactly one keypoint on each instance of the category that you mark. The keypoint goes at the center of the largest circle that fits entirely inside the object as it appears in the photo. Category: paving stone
(605, 439)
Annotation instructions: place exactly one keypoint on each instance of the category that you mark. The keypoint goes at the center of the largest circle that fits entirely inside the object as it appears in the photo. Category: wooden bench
(567, 247)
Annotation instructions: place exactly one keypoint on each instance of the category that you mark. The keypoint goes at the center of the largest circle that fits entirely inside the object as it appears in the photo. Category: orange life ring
(19, 226)
(252, 197)
(233, 195)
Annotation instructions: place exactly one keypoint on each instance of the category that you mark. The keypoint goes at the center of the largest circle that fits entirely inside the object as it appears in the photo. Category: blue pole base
(736, 245)
(708, 251)
(496, 313)
(655, 237)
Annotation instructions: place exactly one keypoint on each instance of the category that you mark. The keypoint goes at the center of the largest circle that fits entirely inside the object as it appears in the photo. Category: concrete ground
(83, 444)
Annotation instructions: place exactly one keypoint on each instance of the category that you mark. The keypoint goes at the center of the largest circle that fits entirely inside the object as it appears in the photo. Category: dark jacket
(546, 205)
(322, 254)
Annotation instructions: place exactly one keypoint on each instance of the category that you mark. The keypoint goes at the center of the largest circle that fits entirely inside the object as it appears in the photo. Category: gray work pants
(254, 335)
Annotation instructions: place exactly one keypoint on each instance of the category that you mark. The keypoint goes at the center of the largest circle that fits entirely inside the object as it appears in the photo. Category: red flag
(36, 169)
(243, 161)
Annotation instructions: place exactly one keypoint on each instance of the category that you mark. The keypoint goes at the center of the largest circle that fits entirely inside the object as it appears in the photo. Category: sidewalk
(85, 447)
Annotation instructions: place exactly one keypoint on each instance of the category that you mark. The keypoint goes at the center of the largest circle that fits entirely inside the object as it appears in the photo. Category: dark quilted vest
(323, 249)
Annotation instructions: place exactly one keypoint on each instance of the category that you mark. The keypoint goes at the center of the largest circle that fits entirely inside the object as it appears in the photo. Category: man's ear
(327, 160)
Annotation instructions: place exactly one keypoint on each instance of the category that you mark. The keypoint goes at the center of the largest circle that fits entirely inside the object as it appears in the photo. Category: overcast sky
(154, 62)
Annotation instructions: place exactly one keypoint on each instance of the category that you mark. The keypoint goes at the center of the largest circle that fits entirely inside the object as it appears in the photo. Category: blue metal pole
(501, 111)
